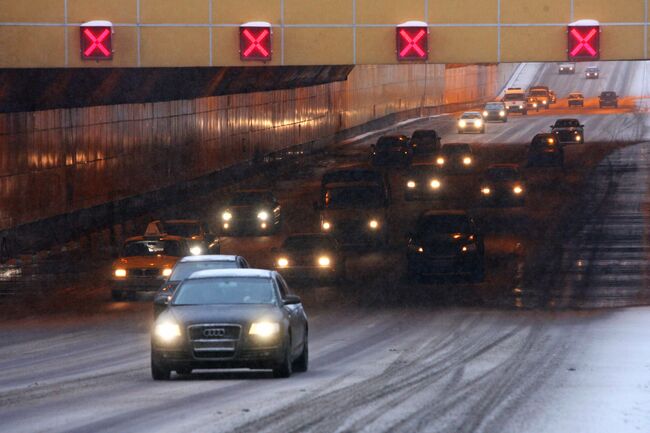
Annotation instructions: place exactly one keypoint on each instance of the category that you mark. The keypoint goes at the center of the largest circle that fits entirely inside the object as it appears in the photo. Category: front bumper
(517, 108)
(495, 117)
(137, 285)
(428, 265)
(248, 225)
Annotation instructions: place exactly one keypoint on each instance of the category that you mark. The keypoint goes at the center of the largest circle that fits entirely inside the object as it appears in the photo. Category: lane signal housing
(412, 41)
(583, 41)
(255, 41)
(96, 40)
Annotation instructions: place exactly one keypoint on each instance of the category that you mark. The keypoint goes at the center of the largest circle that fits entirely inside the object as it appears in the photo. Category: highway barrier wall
(62, 170)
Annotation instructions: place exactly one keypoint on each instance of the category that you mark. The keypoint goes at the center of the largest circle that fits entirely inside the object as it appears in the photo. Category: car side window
(284, 288)
(243, 263)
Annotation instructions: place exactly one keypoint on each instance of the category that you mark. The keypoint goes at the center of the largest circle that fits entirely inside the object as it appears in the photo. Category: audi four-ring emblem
(214, 332)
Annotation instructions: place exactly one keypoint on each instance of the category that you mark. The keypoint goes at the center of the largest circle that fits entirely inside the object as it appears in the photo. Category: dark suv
(424, 142)
(544, 150)
(569, 131)
(608, 99)
(391, 150)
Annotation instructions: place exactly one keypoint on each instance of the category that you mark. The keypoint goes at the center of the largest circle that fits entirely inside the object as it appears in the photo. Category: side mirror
(161, 300)
(291, 300)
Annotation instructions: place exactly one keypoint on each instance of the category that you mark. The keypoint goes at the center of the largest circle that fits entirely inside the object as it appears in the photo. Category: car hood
(241, 314)
(144, 262)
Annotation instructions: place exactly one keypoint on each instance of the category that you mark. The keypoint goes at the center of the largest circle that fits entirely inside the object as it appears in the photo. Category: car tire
(117, 295)
(284, 369)
(301, 364)
(159, 371)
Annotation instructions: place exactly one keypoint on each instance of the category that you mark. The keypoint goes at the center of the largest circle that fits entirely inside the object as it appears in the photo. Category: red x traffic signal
(412, 43)
(584, 43)
(255, 42)
(96, 42)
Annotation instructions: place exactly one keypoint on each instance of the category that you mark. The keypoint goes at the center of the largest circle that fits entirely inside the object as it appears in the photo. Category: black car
(592, 72)
(495, 111)
(455, 157)
(252, 210)
(502, 185)
(544, 150)
(425, 142)
(569, 131)
(424, 182)
(186, 267)
(608, 99)
(391, 150)
(310, 256)
(576, 99)
(231, 318)
(446, 243)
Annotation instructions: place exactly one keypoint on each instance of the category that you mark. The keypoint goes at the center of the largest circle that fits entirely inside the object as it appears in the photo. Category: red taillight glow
(255, 43)
(96, 43)
(412, 43)
(584, 43)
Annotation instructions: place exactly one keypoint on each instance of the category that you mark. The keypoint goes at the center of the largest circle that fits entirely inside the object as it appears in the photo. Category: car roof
(241, 272)
(208, 258)
(154, 238)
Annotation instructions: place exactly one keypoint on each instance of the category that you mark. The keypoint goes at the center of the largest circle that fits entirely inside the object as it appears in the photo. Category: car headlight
(326, 225)
(440, 161)
(283, 262)
(544, 102)
(120, 273)
(435, 184)
(478, 123)
(485, 113)
(521, 107)
(469, 248)
(551, 141)
(167, 331)
(373, 224)
(486, 191)
(462, 123)
(534, 104)
(502, 113)
(263, 215)
(166, 272)
(324, 261)
(410, 184)
(578, 138)
(467, 160)
(196, 250)
(517, 189)
(264, 329)
(226, 216)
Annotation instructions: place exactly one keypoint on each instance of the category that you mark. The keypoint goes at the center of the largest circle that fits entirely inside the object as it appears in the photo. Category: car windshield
(471, 116)
(423, 135)
(514, 97)
(354, 197)
(251, 197)
(567, 123)
(432, 226)
(455, 149)
(225, 290)
(309, 243)
(502, 174)
(184, 270)
(575, 95)
(494, 106)
(538, 93)
(608, 94)
(184, 230)
(389, 143)
(592, 69)
(152, 248)
(423, 170)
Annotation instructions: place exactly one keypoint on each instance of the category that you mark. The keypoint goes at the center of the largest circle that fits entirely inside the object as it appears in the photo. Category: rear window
(226, 290)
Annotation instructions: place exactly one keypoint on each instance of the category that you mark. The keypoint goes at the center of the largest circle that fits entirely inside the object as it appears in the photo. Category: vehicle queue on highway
(214, 311)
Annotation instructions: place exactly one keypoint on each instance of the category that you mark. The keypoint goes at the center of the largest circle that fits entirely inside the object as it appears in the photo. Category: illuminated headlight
(167, 272)
(264, 329)
(468, 248)
(326, 225)
(410, 184)
(517, 189)
(120, 273)
(544, 102)
(435, 184)
(578, 138)
(263, 225)
(196, 250)
(502, 113)
(551, 141)
(226, 225)
(263, 215)
(534, 104)
(440, 161)
(485, 190)
(478, 123)
(324, 261)
(462, 123)
(467, 160)
(226, 216)
(521, 107)
(373, 224)
(167, 331)
(283, 262)
(485, 113)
